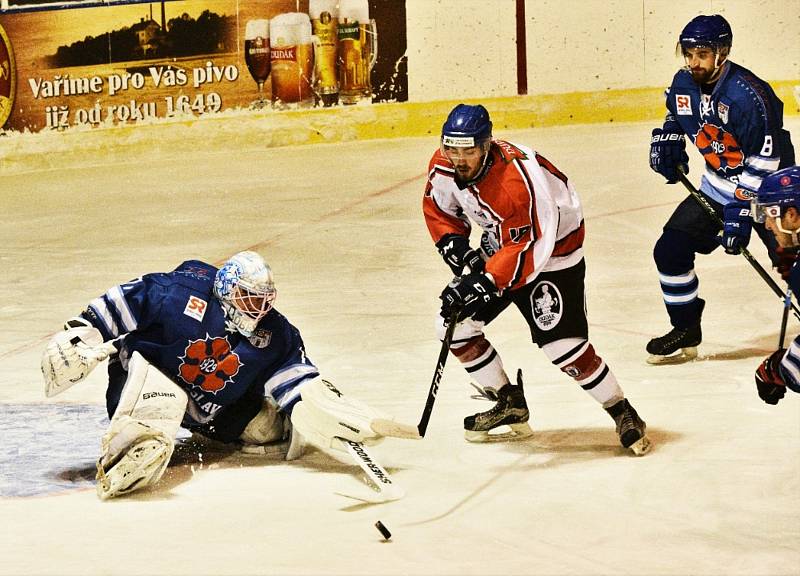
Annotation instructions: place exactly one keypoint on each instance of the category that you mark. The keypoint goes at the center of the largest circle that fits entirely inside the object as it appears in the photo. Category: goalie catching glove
(71, 355)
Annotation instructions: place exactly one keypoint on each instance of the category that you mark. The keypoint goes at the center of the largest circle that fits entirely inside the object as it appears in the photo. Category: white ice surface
(341, 226)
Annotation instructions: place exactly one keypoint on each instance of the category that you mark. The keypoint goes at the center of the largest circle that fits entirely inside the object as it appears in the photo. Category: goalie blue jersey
(177, 324)
(738, 129)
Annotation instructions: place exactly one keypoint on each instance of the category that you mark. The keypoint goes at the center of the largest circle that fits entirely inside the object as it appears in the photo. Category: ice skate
(675, 347)
(510, 411)
(630, 428)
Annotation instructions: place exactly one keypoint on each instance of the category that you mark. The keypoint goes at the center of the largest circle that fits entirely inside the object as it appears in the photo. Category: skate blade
(500, 434)
(685, 355)
(641, 446)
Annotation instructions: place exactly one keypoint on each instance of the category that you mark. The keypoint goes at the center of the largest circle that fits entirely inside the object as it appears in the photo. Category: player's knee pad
(573, 356)
(673, 252)
(135, 455)
(471, 349)
(324, 413)
(266, 426)
(465, 329)
(139, 442)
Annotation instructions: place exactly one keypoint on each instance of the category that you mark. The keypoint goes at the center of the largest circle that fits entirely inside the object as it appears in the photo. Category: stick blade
(393, 429)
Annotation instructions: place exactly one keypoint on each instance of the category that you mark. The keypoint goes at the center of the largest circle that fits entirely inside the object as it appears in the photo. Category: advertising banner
(93, 63)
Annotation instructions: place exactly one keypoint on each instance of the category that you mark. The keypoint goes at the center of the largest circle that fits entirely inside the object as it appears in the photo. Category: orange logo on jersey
(8, 78)
(209, 364)
(719, 148)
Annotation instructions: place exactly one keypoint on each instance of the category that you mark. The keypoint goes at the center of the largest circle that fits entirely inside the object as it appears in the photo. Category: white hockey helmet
(246, 290)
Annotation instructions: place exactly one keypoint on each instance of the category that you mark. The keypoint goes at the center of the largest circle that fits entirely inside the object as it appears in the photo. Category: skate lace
(672, 338)
(626, 422)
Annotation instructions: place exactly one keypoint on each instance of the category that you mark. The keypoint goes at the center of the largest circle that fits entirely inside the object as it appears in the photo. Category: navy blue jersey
(174, 320)
(738, 129)
(790, 364)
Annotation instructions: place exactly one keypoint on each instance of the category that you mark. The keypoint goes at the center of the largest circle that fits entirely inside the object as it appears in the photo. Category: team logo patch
(209, 364)
(260, 338)
(722, 111)
(518, 234)
(8, 78)
(196, 308)
(719, 148)
(547, 305)
(683, 104)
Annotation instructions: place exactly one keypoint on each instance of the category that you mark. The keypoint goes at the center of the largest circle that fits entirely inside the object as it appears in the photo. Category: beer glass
(292, 56)
(323, 25)
(257, 56)
(357, 50)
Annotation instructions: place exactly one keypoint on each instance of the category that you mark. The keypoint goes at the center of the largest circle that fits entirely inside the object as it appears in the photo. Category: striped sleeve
(119, 310)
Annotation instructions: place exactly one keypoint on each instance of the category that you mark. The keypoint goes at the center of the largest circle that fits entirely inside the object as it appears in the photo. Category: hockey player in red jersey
(531, 255)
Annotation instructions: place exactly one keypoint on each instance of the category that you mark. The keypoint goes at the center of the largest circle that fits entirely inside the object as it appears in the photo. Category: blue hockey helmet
(778, 191)
(246, 291)
(706, 32)
(466, 126)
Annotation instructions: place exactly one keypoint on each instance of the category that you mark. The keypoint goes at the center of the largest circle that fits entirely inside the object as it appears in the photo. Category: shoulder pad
(508, 151)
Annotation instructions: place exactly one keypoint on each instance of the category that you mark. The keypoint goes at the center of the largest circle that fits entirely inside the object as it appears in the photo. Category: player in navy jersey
(736, 122)
(777, 205)
(200, 348)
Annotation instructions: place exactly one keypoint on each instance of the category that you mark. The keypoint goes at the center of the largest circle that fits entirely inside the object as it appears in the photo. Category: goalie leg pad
(134, 456)
(324, 413)
(267, 426)
(141, 437)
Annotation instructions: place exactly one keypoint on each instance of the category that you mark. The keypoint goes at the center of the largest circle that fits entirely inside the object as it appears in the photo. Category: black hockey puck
(383, 530)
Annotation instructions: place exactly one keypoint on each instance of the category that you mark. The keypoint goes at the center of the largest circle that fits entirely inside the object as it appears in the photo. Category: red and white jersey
(523, 202)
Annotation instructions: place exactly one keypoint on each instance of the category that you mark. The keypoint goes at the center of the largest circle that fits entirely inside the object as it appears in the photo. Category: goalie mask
(246, 290)
(778, 191)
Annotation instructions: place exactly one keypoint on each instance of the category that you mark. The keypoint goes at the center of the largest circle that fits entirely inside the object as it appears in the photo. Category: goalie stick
(744, 251)
(384, 488)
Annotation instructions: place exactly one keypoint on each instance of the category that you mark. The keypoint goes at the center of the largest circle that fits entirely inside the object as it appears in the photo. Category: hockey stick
(787, 302)
(378, 478)
(394, 429)
(437, 375)
(744, 251)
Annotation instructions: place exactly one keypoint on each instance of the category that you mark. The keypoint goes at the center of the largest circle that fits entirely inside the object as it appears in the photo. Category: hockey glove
(668, 154)
(469, 293)
(457, 254)
(784, 261)
(769, 380)
(736, 228)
